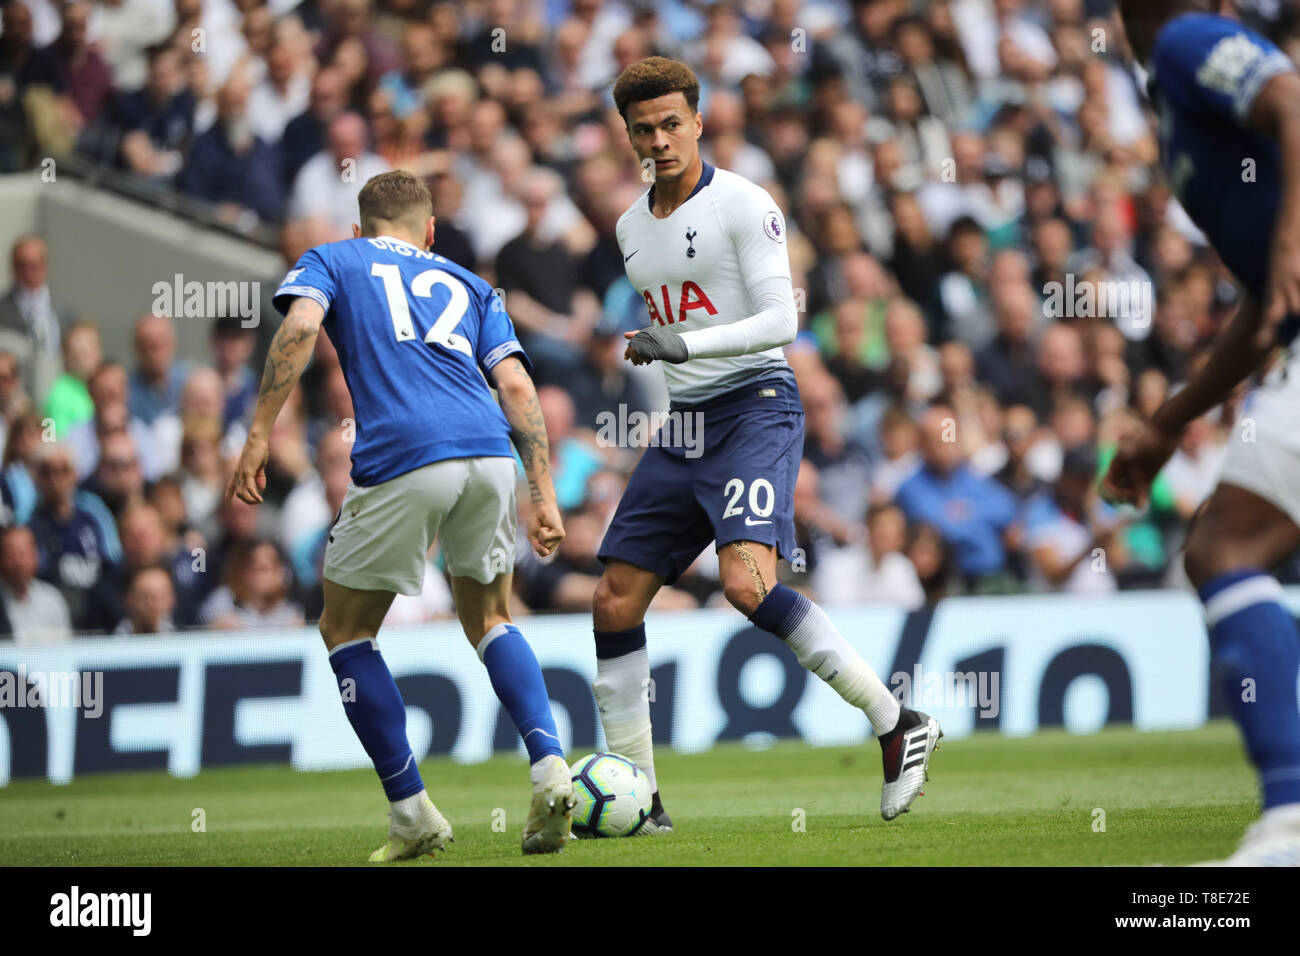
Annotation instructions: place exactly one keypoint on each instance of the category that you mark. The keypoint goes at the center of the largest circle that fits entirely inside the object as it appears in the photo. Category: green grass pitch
(1167, 798)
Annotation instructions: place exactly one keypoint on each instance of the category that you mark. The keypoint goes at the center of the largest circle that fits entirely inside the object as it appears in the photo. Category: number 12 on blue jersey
(399, 307)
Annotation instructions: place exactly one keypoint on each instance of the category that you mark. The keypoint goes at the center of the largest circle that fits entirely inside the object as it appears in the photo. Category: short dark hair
(230, 327)
(158, 50)
(653, 77)
(965, 225)
(879, 508)
(105, 367)
(910, 21)
(136, 573)
(397, 197)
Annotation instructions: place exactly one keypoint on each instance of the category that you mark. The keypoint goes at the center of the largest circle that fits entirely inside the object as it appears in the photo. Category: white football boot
(1272, 840)
(658, 823)
(432, 832)
(550, 818)
(906, 752)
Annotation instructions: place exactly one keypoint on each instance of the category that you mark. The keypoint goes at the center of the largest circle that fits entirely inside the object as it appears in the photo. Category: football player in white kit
(707, 250)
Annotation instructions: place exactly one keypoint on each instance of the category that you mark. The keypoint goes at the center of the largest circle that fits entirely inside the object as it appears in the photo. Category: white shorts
(1264, 450)
(383, 532)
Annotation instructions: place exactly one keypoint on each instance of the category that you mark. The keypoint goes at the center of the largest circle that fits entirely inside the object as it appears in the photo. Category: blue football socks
(375, 710)
(1256, 655)
(517, 679)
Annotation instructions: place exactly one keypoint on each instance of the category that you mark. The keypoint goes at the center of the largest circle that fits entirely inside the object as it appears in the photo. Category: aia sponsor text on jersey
(691, 297)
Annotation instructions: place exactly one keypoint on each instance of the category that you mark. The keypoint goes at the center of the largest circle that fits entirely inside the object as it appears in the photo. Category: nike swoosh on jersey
(630, 254)
(750, 522)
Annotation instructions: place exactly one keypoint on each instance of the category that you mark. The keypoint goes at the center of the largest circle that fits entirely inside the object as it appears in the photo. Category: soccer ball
(613, 796)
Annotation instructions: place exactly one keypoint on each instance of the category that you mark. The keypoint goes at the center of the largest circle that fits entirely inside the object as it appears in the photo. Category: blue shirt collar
(706, 177)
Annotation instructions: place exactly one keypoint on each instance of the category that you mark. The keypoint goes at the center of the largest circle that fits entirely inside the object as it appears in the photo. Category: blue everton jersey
(1206, 72)
(416, 336)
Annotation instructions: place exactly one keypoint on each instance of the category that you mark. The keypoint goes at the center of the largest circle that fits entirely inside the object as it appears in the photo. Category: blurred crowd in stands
(953, 173)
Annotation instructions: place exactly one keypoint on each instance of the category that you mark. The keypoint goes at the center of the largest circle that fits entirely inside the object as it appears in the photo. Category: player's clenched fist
(1139, 459)
(1282, 296)
(545, 528)
(249, 478)
(655, 343)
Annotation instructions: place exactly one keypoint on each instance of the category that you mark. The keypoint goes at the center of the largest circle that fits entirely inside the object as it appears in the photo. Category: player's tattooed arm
(290, 350)
(528, 430)
(528, 427)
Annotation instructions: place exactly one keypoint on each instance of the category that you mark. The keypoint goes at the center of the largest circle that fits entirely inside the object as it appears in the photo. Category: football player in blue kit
(419, 338)
(1228, 101)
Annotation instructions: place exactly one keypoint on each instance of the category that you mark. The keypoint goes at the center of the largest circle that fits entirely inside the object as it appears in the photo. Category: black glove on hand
(657, 343)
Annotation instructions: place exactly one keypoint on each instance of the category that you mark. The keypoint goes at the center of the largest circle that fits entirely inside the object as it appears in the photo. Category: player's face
(665, 132)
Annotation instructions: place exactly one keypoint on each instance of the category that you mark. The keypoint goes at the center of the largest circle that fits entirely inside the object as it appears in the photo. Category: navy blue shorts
(734, 484)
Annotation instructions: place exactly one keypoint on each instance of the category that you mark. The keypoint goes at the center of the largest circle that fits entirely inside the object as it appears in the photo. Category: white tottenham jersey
(697, 267)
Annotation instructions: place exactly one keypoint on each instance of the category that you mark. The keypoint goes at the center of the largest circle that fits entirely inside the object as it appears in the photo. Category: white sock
(1283, 815)
(408, 811)
(821, 649)
(546, 768)
(621, 688)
